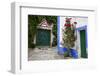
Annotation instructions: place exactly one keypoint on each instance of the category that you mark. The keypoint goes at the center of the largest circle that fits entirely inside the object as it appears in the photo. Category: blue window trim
(84, 28)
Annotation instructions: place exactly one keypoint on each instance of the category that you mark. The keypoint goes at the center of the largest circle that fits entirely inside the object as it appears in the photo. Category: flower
(75, 22)
(68, 25)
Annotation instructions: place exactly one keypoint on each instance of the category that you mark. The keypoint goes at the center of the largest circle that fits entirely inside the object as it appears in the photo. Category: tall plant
(68, 36)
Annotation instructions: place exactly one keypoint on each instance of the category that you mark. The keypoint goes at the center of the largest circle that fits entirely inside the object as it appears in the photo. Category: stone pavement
(43, 54)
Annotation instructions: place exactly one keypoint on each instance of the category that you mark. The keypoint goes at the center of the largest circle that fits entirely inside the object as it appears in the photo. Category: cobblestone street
(43, 54)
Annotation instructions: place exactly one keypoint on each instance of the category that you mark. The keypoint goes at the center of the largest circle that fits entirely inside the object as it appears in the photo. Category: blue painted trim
(60, 49)
(81, 28)
(58, 32)
(84, 28)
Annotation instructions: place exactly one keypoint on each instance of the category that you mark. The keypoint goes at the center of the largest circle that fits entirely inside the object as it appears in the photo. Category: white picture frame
(19, 62)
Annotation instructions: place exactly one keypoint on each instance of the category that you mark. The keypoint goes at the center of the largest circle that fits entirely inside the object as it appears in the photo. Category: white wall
(81, 21)
(5, 32)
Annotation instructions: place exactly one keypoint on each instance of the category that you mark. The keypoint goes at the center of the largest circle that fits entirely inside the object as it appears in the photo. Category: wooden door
(83, 43)
(43, 37)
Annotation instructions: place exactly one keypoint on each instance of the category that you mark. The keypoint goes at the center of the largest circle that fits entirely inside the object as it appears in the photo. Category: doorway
(83, 43)
(43, 37)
